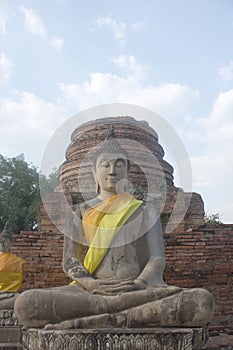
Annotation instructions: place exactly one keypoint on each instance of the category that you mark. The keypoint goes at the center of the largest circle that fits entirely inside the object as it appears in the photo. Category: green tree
(19, 194)
(50, 182)
(212, 218)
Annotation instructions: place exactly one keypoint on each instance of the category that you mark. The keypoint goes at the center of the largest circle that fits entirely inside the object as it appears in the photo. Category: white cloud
(26, 124)
(119, 29)
(6, 67)
(224, 210)
(34, 24)
(218, 125)
(212, 178)
(57, 43)
(137, 26)
(222, 109)
(169, 99)
(226, 72)
(30, 120)
(212, 171)
(4, 15)
(3, 21)
(61, 2)
(130, 64)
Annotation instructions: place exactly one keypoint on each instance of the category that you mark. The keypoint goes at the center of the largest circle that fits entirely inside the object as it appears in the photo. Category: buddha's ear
(128, 168)
(125, 185)
(97, 186)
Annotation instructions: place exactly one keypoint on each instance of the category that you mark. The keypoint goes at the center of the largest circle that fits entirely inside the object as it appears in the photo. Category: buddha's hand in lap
(6, 295)
(110, 286)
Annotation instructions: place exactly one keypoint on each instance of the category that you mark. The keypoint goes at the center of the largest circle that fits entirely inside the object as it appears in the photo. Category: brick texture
(203, 257)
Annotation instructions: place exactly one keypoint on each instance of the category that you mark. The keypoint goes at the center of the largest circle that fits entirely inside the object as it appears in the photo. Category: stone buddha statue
(114, 254)
(11, 271)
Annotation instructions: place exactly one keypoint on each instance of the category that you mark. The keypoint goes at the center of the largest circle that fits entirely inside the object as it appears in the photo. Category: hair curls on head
(110, 145)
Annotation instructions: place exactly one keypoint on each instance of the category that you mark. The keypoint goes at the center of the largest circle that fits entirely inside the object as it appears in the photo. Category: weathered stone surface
(7, 318)
(114, 339)
(9, 331)
(9, 335)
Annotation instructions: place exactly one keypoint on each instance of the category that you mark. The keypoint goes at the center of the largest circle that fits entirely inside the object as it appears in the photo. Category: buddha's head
(5, 239)
(111, 166)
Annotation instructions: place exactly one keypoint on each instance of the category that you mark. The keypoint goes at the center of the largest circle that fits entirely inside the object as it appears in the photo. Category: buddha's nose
(112, 169)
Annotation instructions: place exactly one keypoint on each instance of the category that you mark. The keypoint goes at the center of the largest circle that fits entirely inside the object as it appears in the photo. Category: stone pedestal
(9, 331)
(114, 339)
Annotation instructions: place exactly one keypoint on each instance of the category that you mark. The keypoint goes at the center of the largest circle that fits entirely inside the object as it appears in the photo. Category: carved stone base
(9, 331)
(114, 339)
(7, 318)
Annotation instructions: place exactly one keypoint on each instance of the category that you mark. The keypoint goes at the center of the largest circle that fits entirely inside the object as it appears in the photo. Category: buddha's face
(110, 169)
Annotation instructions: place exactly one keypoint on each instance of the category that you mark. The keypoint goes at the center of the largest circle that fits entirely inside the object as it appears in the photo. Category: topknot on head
(111, 133)
(110, 145)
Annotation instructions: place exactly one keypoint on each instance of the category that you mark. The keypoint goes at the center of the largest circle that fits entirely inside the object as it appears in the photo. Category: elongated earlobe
(97, 186)
(126, 186)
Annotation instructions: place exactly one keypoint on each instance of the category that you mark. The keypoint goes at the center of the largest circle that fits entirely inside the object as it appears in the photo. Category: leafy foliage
(164, 218)
(138, 190)
(212, 218)
(50, 182)
(19, 194)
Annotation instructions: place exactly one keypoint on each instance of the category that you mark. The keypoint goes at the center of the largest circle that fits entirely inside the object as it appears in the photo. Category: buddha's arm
(72, 265)
(153, 270)
(77, 272)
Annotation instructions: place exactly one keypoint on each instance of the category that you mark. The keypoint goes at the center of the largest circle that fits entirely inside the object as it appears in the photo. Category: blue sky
(59, 57)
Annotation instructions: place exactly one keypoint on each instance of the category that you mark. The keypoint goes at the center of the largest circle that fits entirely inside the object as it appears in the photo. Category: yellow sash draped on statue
(11, 272)
(102, 223)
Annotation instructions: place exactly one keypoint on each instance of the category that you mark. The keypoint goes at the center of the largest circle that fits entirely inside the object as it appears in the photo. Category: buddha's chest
(121, 260)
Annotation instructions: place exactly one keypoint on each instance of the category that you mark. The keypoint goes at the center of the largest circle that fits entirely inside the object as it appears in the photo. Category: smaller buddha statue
(11, 271)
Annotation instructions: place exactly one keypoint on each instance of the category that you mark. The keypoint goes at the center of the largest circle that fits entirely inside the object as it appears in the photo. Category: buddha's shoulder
(151, 209)
(79, 208)
(151, 203)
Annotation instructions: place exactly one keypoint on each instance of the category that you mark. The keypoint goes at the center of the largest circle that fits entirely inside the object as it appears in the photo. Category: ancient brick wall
(200, 257)
(203, 257)
(42, 252)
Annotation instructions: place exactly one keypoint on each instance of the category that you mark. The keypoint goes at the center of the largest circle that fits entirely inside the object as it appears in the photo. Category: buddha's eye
(120, 163)
(105, 164)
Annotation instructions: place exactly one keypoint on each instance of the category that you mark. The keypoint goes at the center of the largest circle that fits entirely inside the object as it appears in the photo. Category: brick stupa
(76, 172)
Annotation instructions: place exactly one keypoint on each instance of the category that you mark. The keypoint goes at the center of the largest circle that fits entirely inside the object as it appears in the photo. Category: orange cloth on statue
(11, 272)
